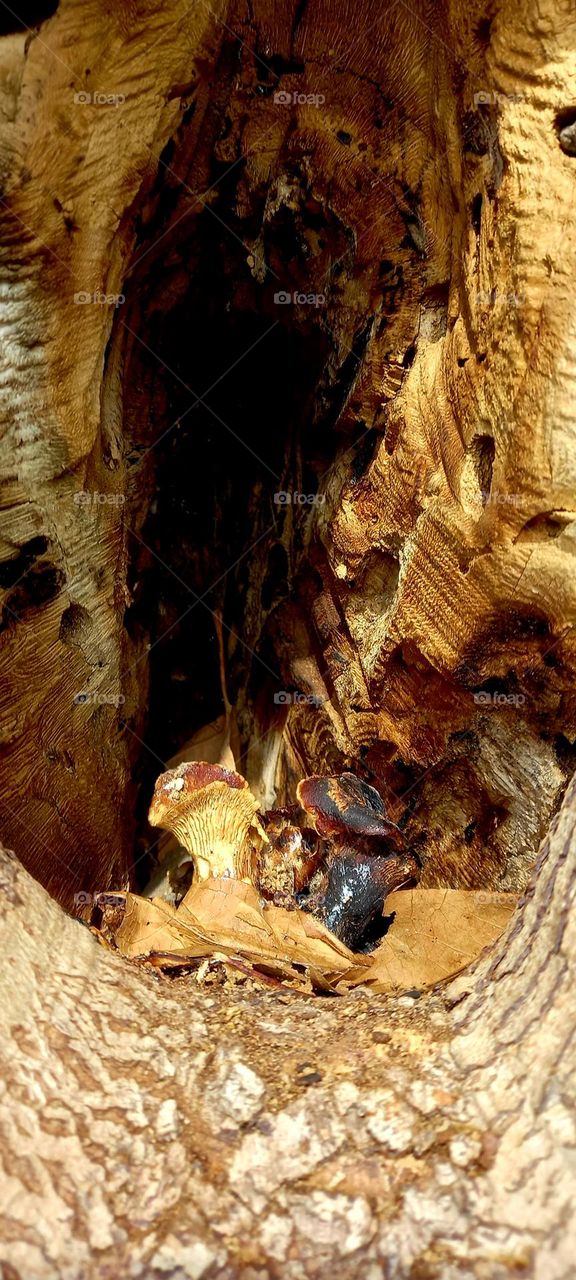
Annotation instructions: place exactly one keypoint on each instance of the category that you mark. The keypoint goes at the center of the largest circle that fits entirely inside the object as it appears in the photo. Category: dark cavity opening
(31, 14)
(229, 429)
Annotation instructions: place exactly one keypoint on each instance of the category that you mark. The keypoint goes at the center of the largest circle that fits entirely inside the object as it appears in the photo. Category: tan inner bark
(162, 1130)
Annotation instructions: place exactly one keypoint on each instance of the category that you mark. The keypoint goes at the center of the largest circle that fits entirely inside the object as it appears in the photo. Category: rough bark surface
(151, 1127)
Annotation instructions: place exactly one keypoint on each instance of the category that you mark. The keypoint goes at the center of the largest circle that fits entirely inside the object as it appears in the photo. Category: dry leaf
(231, 908)
(226, 916)
(211, 744)
(151, 925)
(435, 933)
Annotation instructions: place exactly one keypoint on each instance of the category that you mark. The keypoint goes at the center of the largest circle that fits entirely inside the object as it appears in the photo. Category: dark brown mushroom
(356, 889)
(366, 854)
(356, 852)
(343, 807)
(291, 856)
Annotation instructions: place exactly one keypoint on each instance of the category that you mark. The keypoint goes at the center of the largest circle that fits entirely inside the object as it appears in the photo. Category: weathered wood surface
(151, 1127)
(438, 423)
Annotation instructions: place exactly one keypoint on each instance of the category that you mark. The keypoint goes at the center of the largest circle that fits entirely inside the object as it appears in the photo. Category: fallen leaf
(214, 743)
(151, 925)
(231, 912)
(434, 934)
(211, 744)
(226, 916)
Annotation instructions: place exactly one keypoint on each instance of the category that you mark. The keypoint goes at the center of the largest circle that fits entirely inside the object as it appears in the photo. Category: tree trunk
(288, 338)
(155, 1129)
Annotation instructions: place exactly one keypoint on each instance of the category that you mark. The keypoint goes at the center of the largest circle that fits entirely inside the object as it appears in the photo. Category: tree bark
(154, 1127)
(411, 619)
(418, 614)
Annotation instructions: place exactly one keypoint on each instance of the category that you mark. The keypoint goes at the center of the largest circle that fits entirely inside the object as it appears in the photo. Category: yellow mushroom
(213, 814)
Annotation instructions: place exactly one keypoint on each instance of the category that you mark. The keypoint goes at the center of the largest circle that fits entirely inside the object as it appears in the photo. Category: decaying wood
(414, 622)
(422, 191)
(152, 1126)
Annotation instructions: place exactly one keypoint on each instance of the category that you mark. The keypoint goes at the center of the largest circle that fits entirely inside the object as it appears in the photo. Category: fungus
(343, 807)
(212, 813)
(291, 857)
(356, 888)
(361, 855)
(367, 856)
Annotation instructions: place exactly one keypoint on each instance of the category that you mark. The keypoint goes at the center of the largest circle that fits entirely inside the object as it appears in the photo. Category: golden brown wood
(424, 608)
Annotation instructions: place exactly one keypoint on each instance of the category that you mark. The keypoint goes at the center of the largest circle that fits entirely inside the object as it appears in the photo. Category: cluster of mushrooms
(334, 853)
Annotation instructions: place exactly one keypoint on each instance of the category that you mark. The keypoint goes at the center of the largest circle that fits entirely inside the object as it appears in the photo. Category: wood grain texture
(426, 614)
(421, 190)
(73, 167)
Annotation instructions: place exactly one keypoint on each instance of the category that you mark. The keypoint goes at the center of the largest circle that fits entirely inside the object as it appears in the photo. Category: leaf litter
(431, 934)
(230, 917)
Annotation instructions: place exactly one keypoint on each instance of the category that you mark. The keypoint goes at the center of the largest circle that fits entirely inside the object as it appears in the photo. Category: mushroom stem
(356, 890)
(214, 816)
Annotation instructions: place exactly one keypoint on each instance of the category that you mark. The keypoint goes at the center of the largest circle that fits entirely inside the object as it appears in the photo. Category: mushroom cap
(212, 813)
(345, 806)
(174, 786)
